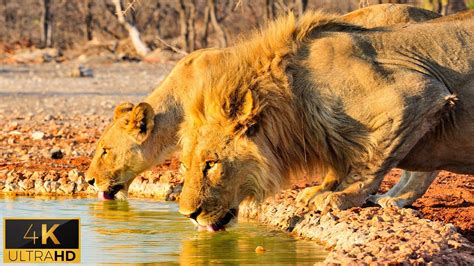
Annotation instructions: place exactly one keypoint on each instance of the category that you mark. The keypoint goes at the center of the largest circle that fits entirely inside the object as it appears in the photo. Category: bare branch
(174, 48)
(130, 6)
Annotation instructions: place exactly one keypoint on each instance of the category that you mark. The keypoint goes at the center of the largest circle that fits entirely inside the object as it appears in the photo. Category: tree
(301, 6)
(85, 8)
(89, 20)
(46, 24)
(277, 8)
(454, 6)
(141, 48)
(187, 17)
(205, 33)
(445, 7)
(221, 35)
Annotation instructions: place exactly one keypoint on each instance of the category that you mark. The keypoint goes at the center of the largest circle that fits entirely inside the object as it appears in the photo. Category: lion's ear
(240, 107)
(247, 105)
(244, 110)
(140, 122)
(122, 109)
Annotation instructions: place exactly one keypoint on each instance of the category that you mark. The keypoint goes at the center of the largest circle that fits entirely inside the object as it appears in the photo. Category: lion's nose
(91, 181)
(194, 214)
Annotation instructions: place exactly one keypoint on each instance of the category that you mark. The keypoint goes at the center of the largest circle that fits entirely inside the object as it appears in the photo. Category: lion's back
(388, 14)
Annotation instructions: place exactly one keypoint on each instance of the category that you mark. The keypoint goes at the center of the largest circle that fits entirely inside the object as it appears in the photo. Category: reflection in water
(144, 231)
(238, 246)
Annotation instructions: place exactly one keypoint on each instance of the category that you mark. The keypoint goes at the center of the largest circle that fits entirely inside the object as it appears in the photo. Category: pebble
(69, 188)
(47, 186)
(26, 184)
(73, 175)
(260, 249)
(14, 132)
(48, 117)
(63, 181)
(55, 186)
(82, 72)
(37, 135)
(56, 153)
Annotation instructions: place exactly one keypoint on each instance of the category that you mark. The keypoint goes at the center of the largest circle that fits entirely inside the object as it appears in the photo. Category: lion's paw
(306, 195)
(337, 201)
(387, 201)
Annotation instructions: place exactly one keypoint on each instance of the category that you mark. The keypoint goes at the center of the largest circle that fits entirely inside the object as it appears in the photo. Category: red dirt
(450, 199)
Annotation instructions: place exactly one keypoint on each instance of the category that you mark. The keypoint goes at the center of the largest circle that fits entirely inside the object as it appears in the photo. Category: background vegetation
(138, 27)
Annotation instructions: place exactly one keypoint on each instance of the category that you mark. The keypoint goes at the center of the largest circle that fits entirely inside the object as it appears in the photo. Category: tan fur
(388, 14)
(319, 93)
(167, 100)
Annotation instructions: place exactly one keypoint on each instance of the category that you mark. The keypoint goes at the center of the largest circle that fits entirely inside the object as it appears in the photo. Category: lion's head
(221, 164)
(230, 142)
(122, 151)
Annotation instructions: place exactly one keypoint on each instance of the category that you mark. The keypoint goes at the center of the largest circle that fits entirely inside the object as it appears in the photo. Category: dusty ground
(449, 199)
(368, 235)
(69, 114)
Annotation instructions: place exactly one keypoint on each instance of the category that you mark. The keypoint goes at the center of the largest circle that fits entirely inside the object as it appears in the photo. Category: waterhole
(147, 231)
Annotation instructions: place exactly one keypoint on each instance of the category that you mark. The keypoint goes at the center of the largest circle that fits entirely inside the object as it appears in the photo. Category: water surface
(146, 231)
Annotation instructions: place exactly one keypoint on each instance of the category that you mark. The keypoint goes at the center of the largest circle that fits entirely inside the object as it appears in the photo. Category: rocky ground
(367, 235)
(50, 120)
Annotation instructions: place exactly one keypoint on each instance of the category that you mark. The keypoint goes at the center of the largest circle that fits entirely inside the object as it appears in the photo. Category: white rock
(14, 132)
(37, 135)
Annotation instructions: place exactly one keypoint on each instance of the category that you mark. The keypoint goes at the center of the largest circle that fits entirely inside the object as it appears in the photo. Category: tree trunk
(89, 19)
(187, 18)
(191, 28)
(183, 24)
(433, 5)
(455, 6)
(215, 24)
(363, 3)
(133, 32)
(444, 7)
(46, 24)
(301, 6)
(280, 7)
(205, 33)
(269, 15)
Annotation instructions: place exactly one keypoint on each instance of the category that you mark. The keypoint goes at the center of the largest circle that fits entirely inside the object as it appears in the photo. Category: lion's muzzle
(219, 225)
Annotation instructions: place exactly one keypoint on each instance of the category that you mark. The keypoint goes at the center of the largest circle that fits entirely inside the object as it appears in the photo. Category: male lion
(120, 156)
(321, 94)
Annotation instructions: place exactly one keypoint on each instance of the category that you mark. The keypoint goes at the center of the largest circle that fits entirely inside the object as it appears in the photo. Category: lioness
(142, 136)
(319, 93)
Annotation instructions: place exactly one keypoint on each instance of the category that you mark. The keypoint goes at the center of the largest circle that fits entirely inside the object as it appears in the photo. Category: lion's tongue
(102, 195)
(210, 228)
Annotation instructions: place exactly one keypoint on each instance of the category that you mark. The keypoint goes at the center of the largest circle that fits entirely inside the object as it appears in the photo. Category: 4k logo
(41, 240)
(44, 234)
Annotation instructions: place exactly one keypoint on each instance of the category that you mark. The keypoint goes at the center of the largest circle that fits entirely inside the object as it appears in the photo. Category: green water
(146, 231)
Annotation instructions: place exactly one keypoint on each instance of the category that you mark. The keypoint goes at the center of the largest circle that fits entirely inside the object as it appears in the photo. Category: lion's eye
(104, 152)
(209, 165)
(252, 130)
